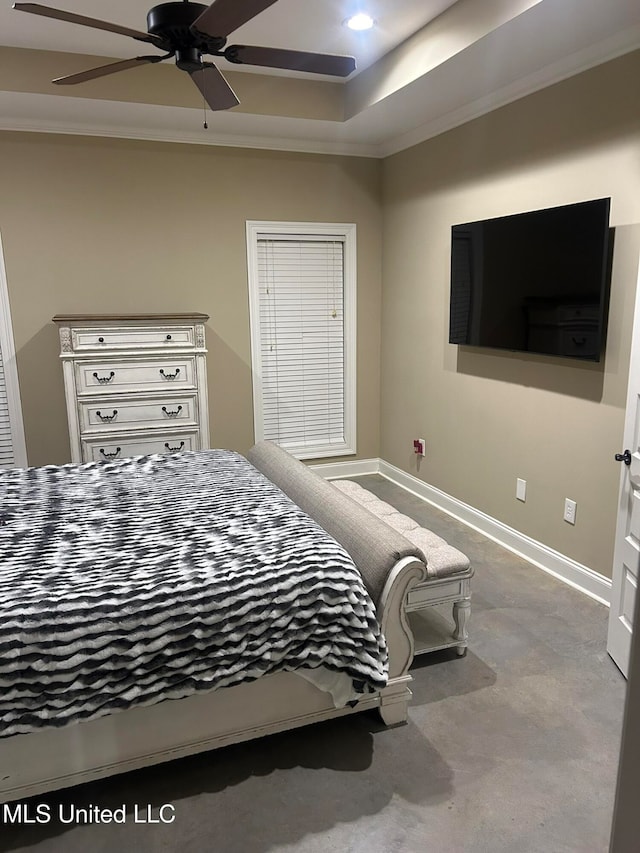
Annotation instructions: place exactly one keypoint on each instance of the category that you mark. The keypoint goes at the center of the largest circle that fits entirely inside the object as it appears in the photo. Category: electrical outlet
(419, 447)
(569, 511)
(521, 489)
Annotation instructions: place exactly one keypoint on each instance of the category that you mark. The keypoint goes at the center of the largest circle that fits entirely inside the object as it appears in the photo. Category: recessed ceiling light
(361, 21)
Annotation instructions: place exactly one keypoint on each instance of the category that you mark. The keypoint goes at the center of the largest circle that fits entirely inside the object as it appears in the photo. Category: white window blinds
(6, 442)
(12, 444)
(302, 348)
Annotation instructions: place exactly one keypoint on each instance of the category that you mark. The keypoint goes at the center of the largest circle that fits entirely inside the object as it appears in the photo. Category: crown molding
(38, 113)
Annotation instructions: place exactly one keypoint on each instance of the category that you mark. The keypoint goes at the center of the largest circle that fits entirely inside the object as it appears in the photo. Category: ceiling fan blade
(293, 60)
(103, 70)
(72, 18)
(224, 16)
(215, 90)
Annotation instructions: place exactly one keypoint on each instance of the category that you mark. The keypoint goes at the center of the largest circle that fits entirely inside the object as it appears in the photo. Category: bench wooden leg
(461, 613)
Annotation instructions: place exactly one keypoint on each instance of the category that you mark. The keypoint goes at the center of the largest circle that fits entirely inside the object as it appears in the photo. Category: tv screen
(533, 282)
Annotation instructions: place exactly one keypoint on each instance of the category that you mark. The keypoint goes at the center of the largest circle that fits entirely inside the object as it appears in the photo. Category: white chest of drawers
(134, 383)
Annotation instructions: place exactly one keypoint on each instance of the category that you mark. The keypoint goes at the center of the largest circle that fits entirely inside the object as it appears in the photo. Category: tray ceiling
(425, 67)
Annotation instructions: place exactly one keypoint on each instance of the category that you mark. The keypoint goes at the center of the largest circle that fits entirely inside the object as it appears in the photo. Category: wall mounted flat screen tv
(533, 282)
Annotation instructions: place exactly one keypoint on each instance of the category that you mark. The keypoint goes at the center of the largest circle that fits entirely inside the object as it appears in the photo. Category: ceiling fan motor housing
(172, 22)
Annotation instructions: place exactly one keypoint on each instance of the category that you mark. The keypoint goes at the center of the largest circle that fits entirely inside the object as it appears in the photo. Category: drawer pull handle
(579, 342)
(168, 337)
(173, 449)
(110, 455)
(104, 379)
(174, 413)
(100, 340)
(170, 375)
(107, 418)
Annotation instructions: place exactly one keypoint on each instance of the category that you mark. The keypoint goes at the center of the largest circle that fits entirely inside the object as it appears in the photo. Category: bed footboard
(394, 699)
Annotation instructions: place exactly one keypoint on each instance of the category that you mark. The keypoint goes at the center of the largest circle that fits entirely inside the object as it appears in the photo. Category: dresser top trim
(124, 318)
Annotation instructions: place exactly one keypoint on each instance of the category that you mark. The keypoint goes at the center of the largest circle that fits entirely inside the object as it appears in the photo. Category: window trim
(8, 354)
(346, 232)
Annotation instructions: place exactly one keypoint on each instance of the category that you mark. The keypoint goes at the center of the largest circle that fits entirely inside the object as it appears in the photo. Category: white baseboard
(354, 468)
(569, 571)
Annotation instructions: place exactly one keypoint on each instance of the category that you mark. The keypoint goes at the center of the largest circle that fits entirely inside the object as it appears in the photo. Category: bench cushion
(443, 560)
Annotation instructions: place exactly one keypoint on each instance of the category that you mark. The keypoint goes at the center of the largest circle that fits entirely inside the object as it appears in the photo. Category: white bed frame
(58, 758)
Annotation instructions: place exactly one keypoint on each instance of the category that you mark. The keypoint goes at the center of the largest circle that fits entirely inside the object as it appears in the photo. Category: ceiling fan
(186, 31)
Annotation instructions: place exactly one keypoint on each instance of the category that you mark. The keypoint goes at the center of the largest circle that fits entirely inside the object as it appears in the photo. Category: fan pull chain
(204, 101)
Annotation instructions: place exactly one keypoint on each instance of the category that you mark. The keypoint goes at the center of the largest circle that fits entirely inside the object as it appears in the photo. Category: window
(302, 299)
(12, 445)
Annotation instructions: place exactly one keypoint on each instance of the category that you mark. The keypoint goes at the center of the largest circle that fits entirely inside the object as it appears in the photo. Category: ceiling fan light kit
(188, 31)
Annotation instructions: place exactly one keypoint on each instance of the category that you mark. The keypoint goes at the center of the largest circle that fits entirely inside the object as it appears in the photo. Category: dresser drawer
(581, 342)
(118, 376)
(115, 414)
(132, 337)
(103, 450)
(559, 314)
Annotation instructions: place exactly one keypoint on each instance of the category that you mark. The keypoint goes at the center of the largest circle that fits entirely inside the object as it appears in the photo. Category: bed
(160, 606)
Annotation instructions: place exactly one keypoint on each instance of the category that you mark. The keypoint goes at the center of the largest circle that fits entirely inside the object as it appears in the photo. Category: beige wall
(99, 225)
(487, 417)
(112, 225)
(24, 70)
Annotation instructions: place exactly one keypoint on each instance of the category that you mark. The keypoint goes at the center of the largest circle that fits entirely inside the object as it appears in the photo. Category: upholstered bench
(448, 581)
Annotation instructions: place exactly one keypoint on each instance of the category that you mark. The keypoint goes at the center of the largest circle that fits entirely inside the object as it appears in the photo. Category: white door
(627, 546)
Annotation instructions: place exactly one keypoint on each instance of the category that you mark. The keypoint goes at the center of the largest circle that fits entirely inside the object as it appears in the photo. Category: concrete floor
(511, 749)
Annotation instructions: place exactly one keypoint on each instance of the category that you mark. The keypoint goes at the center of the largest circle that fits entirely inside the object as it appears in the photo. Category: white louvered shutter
(302, 343)
(6, 441)
(12, 444)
